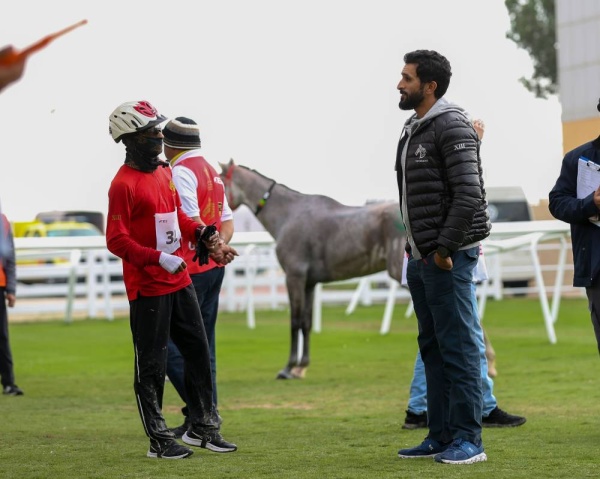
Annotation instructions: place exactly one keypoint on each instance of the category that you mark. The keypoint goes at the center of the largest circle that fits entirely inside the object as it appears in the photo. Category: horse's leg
(306, 327)
(295, 288)
(287, 371)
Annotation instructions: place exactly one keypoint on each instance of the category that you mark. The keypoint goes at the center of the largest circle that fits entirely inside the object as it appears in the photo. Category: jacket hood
(441, 106)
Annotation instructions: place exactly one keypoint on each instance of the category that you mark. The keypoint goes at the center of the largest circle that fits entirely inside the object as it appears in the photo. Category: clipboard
(588, 181)
(15, 56)
(588, 177)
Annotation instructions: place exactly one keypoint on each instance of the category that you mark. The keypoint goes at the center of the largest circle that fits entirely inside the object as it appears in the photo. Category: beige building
(578, 37)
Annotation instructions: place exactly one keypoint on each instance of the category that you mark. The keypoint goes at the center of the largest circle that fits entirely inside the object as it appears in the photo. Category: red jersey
(145, 219)
(210, 194)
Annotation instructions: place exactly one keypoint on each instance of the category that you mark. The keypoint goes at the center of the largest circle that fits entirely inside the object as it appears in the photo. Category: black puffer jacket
(440, 181)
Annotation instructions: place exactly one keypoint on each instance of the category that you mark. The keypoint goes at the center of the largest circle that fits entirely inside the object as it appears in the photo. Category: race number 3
(168, 235)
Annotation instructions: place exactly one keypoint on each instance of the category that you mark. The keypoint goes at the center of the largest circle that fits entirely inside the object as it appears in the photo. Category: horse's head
(238, 185)
(244, 186)
(232, 192)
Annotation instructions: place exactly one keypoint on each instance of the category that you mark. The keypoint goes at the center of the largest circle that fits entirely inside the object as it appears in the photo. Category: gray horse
(318, 240)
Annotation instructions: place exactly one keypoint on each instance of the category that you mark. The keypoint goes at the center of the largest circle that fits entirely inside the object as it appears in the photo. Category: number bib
(168, 234)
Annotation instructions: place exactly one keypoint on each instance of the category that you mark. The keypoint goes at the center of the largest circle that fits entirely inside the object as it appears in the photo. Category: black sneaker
(213, 441)
(415, 421)
(500, 418)
(169, 449)
(180, 430)
(12, 390)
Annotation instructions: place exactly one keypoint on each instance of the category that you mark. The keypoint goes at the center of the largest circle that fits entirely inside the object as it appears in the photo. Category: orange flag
(15, 56)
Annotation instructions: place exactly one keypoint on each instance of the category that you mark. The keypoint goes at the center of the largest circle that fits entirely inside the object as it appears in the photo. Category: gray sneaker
(168, 449)
(212, 440)
(12, 390)
(180, 430)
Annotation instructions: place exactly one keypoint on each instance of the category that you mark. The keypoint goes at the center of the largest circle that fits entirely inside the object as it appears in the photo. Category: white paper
(588, 180)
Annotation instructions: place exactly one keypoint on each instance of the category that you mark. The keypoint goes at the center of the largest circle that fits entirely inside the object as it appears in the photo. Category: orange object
(15, 56)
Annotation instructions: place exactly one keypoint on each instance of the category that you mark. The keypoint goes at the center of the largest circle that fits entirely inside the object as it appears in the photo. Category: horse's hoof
(284, 374)
(298, 372)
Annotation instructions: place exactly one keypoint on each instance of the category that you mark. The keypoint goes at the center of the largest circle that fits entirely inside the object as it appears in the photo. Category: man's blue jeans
(443, 302)
(208, 287)
(417, 403)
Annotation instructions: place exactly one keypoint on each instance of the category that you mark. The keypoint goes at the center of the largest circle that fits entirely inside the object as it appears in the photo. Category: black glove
(203, 233)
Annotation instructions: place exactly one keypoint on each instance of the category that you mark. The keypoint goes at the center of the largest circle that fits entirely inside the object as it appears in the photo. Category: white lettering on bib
(168, 234)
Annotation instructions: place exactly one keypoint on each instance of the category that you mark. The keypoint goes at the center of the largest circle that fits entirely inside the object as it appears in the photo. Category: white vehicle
(509, 203)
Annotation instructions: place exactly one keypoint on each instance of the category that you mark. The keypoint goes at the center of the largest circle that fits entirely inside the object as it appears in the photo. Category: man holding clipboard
(575, 199)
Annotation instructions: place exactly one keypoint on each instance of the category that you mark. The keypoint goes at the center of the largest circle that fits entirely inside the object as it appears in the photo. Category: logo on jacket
(421, 152)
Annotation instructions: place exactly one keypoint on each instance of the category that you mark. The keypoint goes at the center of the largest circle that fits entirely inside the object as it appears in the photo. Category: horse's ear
(231, 162)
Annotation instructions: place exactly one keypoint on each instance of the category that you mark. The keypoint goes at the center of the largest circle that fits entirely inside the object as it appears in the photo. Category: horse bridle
(261, 203)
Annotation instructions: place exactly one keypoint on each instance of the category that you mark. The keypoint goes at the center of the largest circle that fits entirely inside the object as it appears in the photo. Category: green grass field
(78, 417)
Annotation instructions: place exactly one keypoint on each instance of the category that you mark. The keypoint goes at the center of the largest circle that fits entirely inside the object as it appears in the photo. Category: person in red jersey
(145, 228)
(203, 199)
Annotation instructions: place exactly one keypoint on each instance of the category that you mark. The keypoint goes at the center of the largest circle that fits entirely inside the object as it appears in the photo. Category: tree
(533, 28)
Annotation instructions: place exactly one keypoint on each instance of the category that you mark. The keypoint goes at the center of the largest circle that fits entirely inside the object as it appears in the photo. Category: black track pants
(153, 319)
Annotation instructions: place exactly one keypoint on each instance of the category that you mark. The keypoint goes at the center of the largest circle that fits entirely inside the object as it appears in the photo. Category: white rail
(79, 275)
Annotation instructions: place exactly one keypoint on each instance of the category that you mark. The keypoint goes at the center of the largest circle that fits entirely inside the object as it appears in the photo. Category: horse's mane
(279, 184)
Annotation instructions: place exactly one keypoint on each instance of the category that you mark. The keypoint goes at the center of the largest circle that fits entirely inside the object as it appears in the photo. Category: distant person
(145, 228)
(443, 205)
(8, 290)
(493, 416)
(573, 204)
(10, 73)
(203, 199)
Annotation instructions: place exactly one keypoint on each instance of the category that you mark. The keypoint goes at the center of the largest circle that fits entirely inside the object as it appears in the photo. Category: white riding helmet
(133, 117)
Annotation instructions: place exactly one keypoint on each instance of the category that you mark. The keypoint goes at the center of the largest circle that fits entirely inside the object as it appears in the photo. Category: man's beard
(412, 100)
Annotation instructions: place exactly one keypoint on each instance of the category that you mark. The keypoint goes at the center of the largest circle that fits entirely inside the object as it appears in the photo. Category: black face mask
(142, 152)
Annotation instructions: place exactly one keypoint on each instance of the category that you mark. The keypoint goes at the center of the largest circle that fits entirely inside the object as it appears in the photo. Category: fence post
(74, 258)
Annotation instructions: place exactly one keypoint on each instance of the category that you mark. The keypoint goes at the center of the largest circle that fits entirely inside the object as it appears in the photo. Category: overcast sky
(304, 92)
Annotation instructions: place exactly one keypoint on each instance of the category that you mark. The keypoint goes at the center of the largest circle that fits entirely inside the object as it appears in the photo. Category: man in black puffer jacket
(443, 205)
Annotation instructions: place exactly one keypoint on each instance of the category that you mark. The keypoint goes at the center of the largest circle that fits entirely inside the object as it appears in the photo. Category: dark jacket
(565, 206)
(440, 181)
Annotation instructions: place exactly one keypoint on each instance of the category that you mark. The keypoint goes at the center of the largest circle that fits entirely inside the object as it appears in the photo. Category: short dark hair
(431, 66)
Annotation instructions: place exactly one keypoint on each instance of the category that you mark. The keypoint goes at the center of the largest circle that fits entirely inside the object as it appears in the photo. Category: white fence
(79, 276)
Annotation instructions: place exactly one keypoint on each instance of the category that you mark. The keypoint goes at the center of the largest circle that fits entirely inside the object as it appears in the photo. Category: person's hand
(479, 126)
(223, 254)
(173, 264)
(443, 263)
(213, 242)
(11, 299)
(10, 73)
(597, 198)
